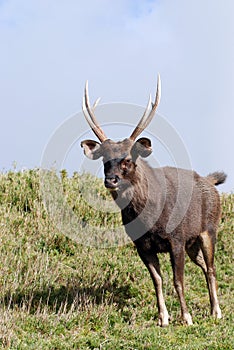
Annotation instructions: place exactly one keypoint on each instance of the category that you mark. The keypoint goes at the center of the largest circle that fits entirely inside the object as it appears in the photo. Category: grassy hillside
(58, 294)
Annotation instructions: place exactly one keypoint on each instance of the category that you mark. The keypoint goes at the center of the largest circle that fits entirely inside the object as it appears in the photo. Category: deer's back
(189, 203)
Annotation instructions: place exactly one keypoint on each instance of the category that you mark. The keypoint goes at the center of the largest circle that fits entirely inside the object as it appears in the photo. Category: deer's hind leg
(195, 253)
(202, 254)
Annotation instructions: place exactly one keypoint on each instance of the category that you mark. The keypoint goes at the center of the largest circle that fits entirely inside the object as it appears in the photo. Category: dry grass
(59, 294)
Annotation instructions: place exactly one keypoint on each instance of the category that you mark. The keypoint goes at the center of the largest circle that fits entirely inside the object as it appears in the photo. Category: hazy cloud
(49, 49)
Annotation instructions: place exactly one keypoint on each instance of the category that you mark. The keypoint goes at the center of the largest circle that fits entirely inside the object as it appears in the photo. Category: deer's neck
(134, 198)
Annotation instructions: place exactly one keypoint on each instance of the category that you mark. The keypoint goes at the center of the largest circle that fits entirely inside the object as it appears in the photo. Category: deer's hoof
(188, 319)
(217, 312)
(163, 320)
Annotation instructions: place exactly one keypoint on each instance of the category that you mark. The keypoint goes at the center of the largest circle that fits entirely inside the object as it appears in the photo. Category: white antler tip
(158, 94)
(96, 102)
(159, 82)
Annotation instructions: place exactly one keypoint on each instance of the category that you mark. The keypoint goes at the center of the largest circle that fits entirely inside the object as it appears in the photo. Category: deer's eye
(126, 164)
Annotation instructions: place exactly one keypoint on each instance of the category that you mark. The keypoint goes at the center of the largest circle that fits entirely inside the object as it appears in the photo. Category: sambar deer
(147, 198)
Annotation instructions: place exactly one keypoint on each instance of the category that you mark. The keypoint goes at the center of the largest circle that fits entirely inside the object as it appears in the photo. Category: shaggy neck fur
(134, 197)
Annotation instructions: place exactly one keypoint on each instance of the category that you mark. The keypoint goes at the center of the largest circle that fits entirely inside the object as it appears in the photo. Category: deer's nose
(112, 181)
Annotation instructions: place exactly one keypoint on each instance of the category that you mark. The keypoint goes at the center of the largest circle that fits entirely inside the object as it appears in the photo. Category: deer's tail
(217, 178)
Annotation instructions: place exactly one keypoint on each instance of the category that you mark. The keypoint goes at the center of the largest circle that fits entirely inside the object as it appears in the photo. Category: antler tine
(139, 128)
(96, 103)
(90, 116)
(87, 104)
(148, 116)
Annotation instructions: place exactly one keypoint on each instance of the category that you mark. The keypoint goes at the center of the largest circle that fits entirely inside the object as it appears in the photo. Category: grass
(59, 294)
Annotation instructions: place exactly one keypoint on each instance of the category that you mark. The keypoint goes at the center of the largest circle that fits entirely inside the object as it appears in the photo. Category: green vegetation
(58, 294)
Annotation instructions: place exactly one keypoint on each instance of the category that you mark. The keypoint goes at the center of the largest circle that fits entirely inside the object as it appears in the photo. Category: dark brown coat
(164, 210)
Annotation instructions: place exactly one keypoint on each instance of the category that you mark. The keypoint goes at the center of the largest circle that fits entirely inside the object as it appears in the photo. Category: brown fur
(147, 198)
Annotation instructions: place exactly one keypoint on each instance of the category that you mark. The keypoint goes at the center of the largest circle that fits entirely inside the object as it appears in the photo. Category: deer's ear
(142, 147)
(92, 149)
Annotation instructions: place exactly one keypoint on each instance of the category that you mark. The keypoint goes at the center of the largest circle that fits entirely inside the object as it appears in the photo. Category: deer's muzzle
(112, 182)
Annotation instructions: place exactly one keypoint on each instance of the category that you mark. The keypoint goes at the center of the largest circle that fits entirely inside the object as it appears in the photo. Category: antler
(90, 116)
(148, 114)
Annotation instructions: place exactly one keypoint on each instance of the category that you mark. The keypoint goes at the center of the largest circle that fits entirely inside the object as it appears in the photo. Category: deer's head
(119, 158)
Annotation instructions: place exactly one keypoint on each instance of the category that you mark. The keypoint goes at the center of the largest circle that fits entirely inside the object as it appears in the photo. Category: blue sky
(49, 49)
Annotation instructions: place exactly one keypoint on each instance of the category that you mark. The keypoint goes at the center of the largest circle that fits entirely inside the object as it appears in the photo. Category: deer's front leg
(152, 263)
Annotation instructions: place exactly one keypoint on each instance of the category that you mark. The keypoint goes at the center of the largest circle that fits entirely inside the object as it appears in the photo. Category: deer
(146, 197)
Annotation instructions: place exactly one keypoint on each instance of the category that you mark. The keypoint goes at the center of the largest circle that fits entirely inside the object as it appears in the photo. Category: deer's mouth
(113, 189)
(112, 182)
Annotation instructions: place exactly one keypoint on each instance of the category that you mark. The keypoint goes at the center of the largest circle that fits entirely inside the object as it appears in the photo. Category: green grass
(58, 294)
